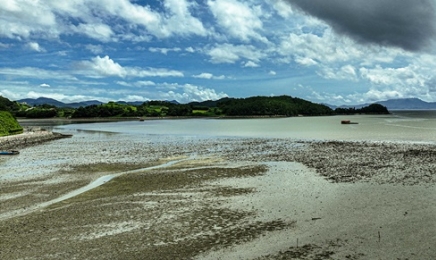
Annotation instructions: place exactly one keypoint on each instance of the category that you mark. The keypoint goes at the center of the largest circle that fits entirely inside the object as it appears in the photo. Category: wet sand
(228, 199)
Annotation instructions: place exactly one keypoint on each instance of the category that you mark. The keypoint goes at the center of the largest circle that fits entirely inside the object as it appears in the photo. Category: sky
(337, 52)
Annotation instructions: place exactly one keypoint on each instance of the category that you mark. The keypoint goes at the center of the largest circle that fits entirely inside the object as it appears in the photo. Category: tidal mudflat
(218, 198)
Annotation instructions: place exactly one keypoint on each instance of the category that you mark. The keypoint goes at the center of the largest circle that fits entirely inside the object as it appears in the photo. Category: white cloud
(181, 21)
(62, 53)
(305, 61)
(203, 76)
(141, 83)
(176, 21)
(208, 76)
(282, 8)
(413, 80)
(164, 50)
(97, 31)
(99, 67)
(311, 49)
(124, 83)
(96, 49)
(405, 76)
(34, 46)
(23, 19)
(44, 85)
(12, 95)
(103, 67)
(219, 77)
(155, 72)
(229, 53)
(143, 37)
(35, 73)
(132, 98)
(376, 95)
(238, 19)
(222, 55)
(187, 93)
(386, 72)
(324, 48)
(347, 72)
(145, 83)
(273, 73)
(250, 64)
(330, 98)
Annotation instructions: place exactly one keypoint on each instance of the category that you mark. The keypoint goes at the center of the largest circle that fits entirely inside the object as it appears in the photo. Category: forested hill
(227, 107)
(272, 106)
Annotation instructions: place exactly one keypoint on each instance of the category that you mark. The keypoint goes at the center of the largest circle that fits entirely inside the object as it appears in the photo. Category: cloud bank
(410, 25)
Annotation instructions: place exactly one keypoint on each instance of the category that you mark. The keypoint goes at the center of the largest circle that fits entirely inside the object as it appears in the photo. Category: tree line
(246, 107)
(272, 106)
(371, 109)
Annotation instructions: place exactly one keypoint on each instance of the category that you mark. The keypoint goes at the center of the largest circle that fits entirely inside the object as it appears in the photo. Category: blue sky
(186, 50)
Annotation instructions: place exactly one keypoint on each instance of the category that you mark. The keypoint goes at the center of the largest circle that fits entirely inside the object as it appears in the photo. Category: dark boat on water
(11, 152)
(347, 122)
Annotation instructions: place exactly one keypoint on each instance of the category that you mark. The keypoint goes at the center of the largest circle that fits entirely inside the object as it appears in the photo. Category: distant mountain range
(407, 103)
(391, 104)
(397, 104)
(54, 102)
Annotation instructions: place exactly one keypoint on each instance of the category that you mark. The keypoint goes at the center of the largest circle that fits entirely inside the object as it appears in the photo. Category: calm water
(410, 126)
(132, 141)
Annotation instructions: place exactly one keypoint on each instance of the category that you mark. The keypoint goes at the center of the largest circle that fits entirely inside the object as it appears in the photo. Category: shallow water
(133, 141)
(409, 126)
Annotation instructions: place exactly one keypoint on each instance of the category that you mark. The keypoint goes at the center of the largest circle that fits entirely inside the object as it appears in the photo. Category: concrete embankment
(31, 136)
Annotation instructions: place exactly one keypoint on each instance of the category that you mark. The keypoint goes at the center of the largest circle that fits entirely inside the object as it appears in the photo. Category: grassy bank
(8, 124)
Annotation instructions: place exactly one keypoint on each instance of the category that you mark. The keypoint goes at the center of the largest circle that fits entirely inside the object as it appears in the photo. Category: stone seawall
(30, 137)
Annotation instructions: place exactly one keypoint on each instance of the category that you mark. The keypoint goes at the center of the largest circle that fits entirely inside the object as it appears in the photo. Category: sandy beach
(243, 198)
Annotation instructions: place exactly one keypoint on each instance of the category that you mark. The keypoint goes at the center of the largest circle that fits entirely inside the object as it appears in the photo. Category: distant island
(259, 106)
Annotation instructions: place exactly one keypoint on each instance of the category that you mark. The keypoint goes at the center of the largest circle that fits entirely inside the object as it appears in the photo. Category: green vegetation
(281, 106)
(371, 109)
(8, 124)
(110, 109)
(40, 111)
(272, 106)
(253, 106)
(7, 105)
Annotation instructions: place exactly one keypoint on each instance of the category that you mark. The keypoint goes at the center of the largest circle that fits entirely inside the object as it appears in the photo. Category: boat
(347, 122)
(11, 152)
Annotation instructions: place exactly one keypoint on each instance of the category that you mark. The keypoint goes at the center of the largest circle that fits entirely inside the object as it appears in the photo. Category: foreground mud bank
(30, 137)
(230, 199)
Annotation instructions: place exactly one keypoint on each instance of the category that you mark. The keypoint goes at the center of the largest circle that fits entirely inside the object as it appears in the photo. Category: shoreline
(30, 137)
(245, 198)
